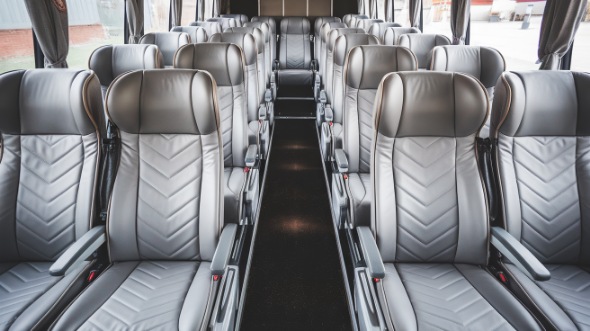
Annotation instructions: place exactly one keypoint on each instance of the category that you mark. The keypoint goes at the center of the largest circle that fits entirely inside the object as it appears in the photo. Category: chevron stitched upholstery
(295, 52)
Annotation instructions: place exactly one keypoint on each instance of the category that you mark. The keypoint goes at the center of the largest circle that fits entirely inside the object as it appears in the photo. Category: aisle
(295, 280)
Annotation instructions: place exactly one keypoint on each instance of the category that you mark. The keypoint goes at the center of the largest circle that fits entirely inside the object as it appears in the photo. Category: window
(437, 17)
(512, 27)
(581, 52)
(16, 37)
(156, 15)
(401, 13)
(189, 12)
(93, 24)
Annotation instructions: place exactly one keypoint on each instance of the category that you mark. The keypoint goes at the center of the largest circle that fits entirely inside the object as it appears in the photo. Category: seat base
(295, 77)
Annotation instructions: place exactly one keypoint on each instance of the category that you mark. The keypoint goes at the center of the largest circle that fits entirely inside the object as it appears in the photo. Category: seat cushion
(359, 184)
(166, 295)
(30, 296)
(564, 299)
(450, 297)
(234, 179)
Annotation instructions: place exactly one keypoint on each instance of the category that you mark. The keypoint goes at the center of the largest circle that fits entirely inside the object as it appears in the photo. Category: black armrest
(522, 258)
(224, 248)
(341, 160)
(250, 158)
(79, 251)
(371, 252)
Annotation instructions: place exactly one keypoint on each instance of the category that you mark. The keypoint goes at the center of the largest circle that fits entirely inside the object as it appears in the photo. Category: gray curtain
(216, 8)
(558, 29)
(460, 11)
(200, 10)
(361, 7)
(389, 11)
(176, 12)
(415, 6)
(135, 19)
(50, 23)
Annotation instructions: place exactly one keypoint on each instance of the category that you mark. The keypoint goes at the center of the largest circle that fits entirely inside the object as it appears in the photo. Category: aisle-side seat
(378, 29)
(273, 31)
(540, 127)
(268, 54)
(320, 75)
(317, 37)
(210, 27)
(167, 243)
(167, 42)
(364, 68)
(392, 34)
(110, 61)
(427, 247)
(354, 19)
(240, 19)
(225, 22)
(295, 52)
(50, 154)
(366, 23)
(198, 34)
(422, 44)
(224, 62)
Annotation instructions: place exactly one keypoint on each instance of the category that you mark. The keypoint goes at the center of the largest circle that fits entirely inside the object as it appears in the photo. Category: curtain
(216, 8)
(176, 12)
(415, 8)
(200, 10)
(558, 29)
(50, 23)
(361, 7)
(134, 19)
(389, 11)
(460, 11)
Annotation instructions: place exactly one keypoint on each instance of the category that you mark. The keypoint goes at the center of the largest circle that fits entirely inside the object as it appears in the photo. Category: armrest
(328, 113)
(268, 95)
(371, 252)
(79, 251)
(522, 258)
(323, 96)
(250, 158)
(262, 112)
(224, 248)
(341, 160)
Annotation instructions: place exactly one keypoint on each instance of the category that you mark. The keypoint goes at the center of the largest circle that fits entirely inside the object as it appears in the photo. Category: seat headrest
(378, 29)
(255, 32)
(167, 42)
(319, 21)
(422, 46)
(391, 34)
(225, 22)
(367, 65)
(541, 103)
(431, 104)
(175, 101)
(211, 27)
(484, 63)
(224, 61)
(110, 61)
(244, 40)
(198, 34)
(268, 20)
(335, 33)
(327, 27)
(50, 102)
(365, 24)
(346, 42)
(295, 25)
(264, 27)
(240, 18)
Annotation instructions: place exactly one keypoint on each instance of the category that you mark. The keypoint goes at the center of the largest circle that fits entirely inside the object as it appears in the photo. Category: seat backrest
(325, 31)
(295, 52)
(240, 18)
(378, 29)
(354, 19)
(346, 19)
(273, 34)
(263, 80)
(210, 27)
(366, 23)
(330, 41)
(226, 63)
(343, 44)
(268, 45)
(225, 22)
(391, 35)
(198, 34)
(49, 156)
(422, 45)
(171, 148)
(317, 28)
(247, 43)
(429, 201)
(167, 42)
(110, 61)
(483, 63)
(363, 70)
(541, 122)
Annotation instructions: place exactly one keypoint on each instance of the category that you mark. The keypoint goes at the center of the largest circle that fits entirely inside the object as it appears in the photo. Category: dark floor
(292, 102)
(295, 280)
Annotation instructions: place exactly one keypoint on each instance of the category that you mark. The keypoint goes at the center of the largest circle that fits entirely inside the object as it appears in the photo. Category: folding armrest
(328, 114)
(262, 112)
(341, 160)
(223, 251)
(521, 257)
(251, 153)
(79, 251)
(371, 252)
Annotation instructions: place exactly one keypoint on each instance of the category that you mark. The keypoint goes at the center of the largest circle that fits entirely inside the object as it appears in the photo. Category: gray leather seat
(324, 36)
(392, 34)
(484, 63)
(241, 19)
(378, 29)
(110, 61)
(225, 22)
(165, 215)
(354, 19)
(210, 27)
(50, 151)
(362, 73)
(268, 52)
(430, 217)
(366, 23)
(541, 126)
(273, 32)
(224, 62)
(167, 42)
(295, 52)
(198, 34)
(422, 46)
(317, 37)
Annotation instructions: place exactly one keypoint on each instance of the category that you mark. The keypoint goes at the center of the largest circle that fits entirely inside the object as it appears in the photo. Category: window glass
(581, 52)
(512, 27)
(93, 23)
(437, 17)
(189, 12)
(400, 12)
(16, 36)
(156, 15)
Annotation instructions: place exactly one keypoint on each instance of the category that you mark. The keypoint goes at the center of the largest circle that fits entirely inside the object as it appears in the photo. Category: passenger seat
(392, 34)
(198, 34)
(268, 54)
(240, 19)
(225, 22)
(378, 29)
(366, 24)
(167, 42)
(317, 36)
(210, 27)
(354, 19)
(422, 46)
(320, 76)
(295, 52)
